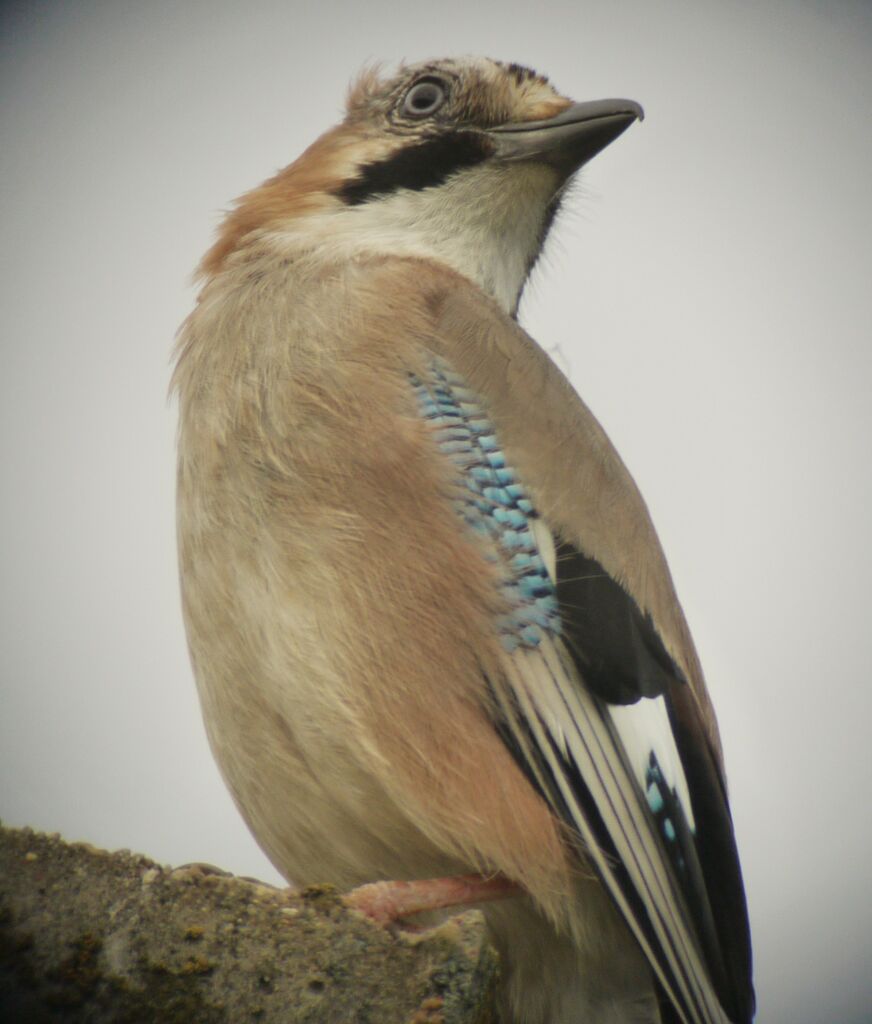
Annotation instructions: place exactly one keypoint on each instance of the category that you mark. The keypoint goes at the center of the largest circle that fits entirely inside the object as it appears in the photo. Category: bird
(432, 627)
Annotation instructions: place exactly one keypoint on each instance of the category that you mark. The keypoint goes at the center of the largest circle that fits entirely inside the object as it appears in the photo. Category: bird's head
(461, 161)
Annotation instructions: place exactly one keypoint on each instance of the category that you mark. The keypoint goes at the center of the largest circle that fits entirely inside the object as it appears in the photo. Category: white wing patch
(570, 728)
(644, 729)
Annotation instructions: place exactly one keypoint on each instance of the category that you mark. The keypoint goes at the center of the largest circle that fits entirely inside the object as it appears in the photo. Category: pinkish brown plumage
(432, 627)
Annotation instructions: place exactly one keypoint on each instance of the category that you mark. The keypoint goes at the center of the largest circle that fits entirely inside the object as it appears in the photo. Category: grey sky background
(708, 290)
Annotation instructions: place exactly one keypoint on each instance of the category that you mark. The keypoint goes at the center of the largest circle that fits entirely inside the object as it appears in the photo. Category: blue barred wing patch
(492, 502)
(604, 754)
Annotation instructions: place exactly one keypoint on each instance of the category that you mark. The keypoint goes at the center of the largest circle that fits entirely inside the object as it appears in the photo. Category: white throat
(486, 223)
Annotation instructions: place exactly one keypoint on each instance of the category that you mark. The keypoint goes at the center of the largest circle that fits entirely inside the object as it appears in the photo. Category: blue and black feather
(620, 658)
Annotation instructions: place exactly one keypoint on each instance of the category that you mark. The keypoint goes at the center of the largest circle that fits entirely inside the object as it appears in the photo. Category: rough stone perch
(92, 936)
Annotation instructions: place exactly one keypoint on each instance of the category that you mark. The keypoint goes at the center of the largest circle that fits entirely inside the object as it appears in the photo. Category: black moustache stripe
(417, 166)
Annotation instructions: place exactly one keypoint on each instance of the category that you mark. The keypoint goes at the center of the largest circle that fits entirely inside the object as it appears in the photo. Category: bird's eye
(425, 97)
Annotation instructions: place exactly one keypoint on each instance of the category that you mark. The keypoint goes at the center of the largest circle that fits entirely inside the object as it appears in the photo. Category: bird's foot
(386, 902)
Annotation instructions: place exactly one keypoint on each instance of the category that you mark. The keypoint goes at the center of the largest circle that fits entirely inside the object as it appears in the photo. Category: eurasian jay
(432, 627)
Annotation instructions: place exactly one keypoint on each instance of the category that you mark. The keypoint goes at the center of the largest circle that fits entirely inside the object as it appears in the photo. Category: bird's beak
(568, 140)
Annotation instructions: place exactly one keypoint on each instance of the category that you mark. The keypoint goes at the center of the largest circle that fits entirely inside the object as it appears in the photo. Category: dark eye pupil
(424, 98)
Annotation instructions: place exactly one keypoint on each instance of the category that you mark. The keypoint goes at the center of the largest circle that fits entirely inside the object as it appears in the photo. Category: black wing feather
(615, 646)
(622, 659)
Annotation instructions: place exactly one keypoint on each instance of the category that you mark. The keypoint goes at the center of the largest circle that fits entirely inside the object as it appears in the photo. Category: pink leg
(385, 902)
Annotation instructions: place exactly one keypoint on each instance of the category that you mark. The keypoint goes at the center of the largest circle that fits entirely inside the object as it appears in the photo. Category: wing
(601, 699)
